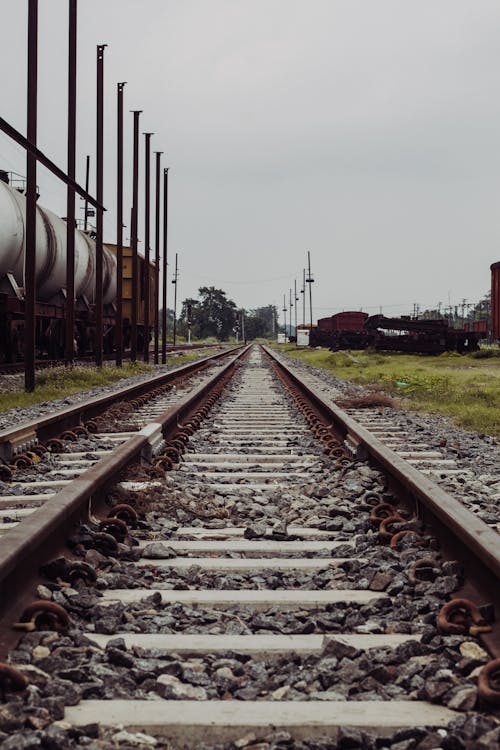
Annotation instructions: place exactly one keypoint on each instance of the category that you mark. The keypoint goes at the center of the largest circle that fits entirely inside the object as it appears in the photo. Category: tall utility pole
(87, 185)
(284, 313)
(303, 293)
(30, 255)
(296, 300)
(147, 226)
(291, 305)
(99, 330)
(133, 236)
(70, 190)
(164, 271)
(157, 261)
(174, 281)
(310, 281)
(119, 226)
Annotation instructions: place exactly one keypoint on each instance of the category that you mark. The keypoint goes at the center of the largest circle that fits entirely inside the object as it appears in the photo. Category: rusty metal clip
(382, 511)
(114, 526)
(488, 682)
(461, 617)
(425, 569)
(43, 615)
(397, 538)
(384, 532)
(126, 513)
(11, 680)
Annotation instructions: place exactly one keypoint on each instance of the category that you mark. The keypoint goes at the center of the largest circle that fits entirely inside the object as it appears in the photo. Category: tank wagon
(51, 282)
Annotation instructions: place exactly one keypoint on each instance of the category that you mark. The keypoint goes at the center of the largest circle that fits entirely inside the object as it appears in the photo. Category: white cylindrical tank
(50, 251)
(11, 233)
(108, 275)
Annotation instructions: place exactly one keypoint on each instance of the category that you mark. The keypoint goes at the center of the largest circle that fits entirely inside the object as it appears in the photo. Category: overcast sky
(365, 131)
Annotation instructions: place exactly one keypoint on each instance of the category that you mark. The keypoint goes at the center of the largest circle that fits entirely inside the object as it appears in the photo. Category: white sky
(365, 131)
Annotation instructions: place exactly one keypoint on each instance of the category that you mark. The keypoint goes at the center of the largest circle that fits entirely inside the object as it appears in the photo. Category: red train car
(495, 301)
(478, 326)
(341, 331)
(344, 321)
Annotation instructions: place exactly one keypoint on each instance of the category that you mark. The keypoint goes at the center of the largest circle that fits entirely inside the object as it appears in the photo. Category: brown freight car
(495, 301)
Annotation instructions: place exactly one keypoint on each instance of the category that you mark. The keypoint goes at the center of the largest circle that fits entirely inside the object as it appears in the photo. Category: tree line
(213, 315)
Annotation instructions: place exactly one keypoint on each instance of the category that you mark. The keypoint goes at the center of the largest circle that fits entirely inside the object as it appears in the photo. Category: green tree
(261, 322)
(189, 316)
(217, 314)
(213, 315)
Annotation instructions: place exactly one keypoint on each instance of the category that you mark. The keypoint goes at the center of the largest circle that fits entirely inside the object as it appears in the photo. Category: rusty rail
(46, 427)
(36, 538)
(462, 534)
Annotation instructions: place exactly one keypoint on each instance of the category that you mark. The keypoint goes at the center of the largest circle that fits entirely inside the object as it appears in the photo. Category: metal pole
(164, 274)
(175, 300)
(133, 237)
(31, 196)
(119, 227)
(291, 305)
(310, 281)
(70, 191)
(284, 311)
(303, 292)
(147, 227)
(296, 300)
(157, 261)
(86, 208)
(99, 214)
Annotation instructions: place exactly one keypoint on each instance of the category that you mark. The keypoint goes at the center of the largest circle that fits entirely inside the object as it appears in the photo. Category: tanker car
(51, 282)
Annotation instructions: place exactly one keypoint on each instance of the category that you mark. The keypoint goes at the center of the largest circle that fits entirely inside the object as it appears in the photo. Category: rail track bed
(281, 584)
(465, 464)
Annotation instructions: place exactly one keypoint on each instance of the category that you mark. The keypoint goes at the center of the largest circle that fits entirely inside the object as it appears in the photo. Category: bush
(486, 354)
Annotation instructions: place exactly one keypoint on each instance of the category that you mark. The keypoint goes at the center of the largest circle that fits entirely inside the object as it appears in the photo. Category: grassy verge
(465, 388)
(60, 382)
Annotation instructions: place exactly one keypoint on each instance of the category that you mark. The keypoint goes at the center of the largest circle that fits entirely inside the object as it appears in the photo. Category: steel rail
(50, 425)
(479, 545)
(36, 538)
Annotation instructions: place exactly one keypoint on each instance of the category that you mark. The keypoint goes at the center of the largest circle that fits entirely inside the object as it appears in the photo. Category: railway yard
(222, 557)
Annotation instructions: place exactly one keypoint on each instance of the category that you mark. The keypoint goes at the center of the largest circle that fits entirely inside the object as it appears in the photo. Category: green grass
(463, 387)
(59, 382)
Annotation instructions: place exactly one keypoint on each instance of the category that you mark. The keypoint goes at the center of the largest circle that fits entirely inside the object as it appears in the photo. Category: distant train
(358, 330)
(51, 283)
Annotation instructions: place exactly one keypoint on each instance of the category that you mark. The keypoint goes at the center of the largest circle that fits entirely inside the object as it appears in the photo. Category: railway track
(438, 457)
(269, 594)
